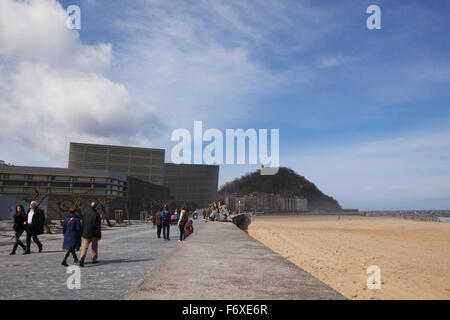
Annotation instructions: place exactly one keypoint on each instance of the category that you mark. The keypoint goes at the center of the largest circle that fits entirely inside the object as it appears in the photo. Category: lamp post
(239, 203)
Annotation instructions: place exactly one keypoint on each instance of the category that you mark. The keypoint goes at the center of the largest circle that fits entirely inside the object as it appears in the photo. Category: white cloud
(53, 87)
(35, 31)
(200, 60)
(332, 61)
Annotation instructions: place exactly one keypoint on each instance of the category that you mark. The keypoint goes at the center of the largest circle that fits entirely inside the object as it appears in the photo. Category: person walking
(188, 228)
(165, 222)
(20, 223)
(184, 216)
(224, 212)
(214, 215)
(91, 233)
(72, 235)
(157, 222)
(35, 226)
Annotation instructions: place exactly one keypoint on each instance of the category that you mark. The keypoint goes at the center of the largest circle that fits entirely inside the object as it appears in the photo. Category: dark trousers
(18, 242)
(182, 233)
(158, 230)
(74, 255)
(166, 228)
(31, 234)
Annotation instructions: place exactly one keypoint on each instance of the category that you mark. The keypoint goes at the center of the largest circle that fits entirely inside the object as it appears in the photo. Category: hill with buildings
(285, 182)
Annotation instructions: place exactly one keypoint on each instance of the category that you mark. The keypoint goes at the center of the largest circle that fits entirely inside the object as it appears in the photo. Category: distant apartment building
(146, 164)
(192, 182)
(260, 201)
(236, 203)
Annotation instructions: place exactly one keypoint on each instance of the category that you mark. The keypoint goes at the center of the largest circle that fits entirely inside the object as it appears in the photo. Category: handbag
(68, 222)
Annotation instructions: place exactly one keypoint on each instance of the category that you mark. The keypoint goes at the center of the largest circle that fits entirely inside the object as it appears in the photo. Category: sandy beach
(413, 256)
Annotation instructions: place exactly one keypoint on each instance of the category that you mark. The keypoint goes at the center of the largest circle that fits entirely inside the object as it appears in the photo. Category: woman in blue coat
(72, 235)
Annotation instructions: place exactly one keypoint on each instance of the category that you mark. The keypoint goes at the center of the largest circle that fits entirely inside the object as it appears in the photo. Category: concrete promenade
(220, 261)
(126, 255)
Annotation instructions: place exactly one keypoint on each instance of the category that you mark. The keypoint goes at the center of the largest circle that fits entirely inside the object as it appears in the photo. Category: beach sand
(413, 256)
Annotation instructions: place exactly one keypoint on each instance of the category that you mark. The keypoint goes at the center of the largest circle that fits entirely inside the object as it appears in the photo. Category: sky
(364, 114)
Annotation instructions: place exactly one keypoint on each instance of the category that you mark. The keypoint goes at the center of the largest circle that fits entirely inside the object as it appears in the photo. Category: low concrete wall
(220, 261)
(307, 213)
(242, 220)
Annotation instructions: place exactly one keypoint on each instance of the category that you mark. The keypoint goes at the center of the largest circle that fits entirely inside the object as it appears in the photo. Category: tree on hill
(285, 182)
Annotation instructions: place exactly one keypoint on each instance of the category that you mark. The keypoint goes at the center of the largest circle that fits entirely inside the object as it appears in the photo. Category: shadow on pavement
(101, 262)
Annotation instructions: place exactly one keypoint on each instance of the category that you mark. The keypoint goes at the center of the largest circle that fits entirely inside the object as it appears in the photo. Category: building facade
(193, 183)
(260, 201)
(59, 185)
(64, 186)
(129, 178)
(25, 180)
(142, 163)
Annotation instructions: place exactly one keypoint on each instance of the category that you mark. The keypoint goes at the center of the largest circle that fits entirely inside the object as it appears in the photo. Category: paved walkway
(220, 261)
(126, 255)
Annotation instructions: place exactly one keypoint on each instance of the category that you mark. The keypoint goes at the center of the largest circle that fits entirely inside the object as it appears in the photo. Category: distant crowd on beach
(88, 228)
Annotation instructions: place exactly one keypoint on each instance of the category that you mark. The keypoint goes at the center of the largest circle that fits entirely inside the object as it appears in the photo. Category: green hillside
(287, 182)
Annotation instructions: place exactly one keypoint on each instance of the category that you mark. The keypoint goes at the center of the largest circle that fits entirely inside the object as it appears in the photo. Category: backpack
(184, 219)
(165, 216)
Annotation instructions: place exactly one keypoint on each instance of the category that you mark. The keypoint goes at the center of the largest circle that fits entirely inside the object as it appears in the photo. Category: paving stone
(126, 255)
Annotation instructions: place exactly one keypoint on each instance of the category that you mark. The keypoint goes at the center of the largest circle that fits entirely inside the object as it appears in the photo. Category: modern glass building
(25, 180)
(142, 163)
(131, 177)
(192, 183)
(60, 185)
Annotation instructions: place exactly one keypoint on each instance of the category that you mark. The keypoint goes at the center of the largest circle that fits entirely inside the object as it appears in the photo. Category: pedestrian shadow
(50, 251)
(101, 262)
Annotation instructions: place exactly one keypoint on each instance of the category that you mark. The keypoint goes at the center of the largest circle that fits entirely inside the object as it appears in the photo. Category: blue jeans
(166, 230)
(182, 233)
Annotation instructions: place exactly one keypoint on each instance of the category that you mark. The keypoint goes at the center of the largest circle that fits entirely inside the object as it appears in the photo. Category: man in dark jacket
(91, 233)
(35, 226)
(165, 221)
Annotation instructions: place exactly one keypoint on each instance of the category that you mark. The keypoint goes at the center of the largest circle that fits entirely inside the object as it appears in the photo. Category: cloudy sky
(364, 114)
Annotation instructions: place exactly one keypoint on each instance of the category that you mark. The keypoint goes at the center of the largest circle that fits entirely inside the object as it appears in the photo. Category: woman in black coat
(72, 235)
(20, 223)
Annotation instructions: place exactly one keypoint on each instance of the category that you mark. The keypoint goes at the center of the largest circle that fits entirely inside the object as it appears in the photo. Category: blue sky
(362, 113)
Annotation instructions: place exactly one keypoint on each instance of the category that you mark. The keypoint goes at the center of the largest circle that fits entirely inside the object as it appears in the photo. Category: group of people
(218, 211)
(163, 218)
(32, 222)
